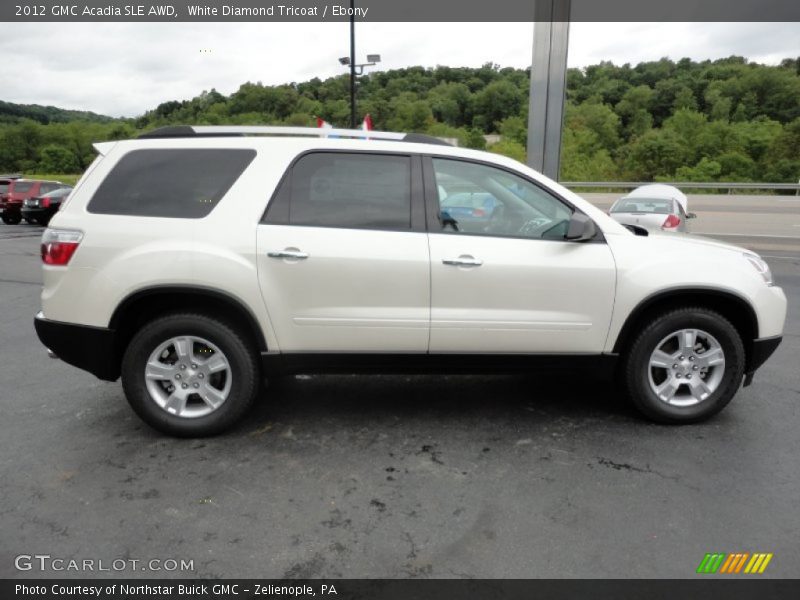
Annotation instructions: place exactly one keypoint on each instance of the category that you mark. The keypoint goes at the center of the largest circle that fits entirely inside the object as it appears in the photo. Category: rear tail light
(478, 212)
(671, 222)
(44, 202)
(58, 245)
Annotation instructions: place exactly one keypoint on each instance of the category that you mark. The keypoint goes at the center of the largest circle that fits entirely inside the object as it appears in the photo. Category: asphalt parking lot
(374, 476)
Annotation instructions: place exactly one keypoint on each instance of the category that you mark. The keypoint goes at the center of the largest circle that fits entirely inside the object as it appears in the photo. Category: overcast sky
(124, 69)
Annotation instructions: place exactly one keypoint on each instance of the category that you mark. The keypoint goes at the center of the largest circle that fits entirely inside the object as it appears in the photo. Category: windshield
(643, 205)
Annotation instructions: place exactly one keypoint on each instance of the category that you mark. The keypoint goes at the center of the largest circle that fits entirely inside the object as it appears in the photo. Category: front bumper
(89, 348)
(760, 351)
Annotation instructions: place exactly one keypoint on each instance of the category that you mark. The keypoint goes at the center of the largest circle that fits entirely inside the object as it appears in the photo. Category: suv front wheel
(685, 366)
(189, 375)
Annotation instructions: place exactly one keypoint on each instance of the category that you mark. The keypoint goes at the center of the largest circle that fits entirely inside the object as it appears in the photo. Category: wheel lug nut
(200, 375)
(178, 376)
(689, 376)
(184, 385)
(675, 366)
(197, 385)
(194, 366)
(694, 368)
(691, 358)
(183, 367)
(677, 375)
(681, 357)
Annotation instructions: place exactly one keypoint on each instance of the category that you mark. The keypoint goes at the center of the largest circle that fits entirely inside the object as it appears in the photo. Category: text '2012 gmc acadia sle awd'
(194, 261)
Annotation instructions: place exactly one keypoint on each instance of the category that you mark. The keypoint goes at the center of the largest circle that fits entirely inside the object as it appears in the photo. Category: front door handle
(465, 260)
(288, 253)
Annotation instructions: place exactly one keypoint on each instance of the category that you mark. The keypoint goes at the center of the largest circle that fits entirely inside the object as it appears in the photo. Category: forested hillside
(723, 120)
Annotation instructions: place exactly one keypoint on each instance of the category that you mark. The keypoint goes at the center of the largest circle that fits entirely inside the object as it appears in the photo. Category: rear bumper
(760, 351)
(89, 348)
(35, 213)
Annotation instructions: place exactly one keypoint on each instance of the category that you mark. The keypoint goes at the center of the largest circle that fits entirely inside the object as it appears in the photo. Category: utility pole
(352, 65)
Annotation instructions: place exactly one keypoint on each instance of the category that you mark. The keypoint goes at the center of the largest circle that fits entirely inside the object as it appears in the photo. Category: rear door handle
(288, 253)
(463, 261)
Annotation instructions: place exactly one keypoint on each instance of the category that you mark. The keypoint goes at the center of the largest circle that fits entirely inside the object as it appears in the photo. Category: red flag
(367, 124)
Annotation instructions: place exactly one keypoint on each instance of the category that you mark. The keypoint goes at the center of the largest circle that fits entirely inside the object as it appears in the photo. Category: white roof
(660, 191)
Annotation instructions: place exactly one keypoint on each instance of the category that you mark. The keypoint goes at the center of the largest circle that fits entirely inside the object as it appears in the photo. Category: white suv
(194, 261)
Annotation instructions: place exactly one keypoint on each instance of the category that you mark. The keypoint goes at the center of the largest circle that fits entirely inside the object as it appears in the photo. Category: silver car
(656, 206)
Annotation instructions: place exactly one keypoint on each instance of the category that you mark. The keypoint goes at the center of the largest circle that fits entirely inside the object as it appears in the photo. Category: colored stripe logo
(738, 562)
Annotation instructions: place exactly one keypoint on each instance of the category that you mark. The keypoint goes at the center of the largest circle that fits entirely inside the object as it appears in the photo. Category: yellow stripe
(754, 568)
(728, 563)
(750, 564)
(767, 558)
(741, 561)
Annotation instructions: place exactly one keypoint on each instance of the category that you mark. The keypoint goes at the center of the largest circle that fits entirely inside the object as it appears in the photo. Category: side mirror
(581, 228)
(691, 216)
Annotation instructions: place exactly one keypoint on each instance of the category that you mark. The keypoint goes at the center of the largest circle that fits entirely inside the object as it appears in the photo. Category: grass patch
(68, 179)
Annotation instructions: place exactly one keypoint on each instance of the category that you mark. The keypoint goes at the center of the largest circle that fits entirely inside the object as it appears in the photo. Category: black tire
(11, 219)
(29, 221)
(238, 352)
(636, 365)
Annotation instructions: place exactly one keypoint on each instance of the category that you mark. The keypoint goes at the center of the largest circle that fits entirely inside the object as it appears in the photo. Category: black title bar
(704, 587)
(399, 10)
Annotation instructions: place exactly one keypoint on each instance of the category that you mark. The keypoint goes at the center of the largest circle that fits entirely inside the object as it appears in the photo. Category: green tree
(58, 159)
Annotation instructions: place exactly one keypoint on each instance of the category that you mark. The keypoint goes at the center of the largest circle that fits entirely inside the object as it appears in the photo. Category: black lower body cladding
(89, 348)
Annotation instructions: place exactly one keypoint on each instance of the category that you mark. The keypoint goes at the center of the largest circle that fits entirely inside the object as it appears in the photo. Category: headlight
(761, 266)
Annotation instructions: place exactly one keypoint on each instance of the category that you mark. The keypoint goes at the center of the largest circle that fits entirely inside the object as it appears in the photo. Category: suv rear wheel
(11, 218)
(189, 375)
(685, 366)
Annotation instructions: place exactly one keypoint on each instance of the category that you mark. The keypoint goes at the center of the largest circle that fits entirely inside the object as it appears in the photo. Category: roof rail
(240, 130)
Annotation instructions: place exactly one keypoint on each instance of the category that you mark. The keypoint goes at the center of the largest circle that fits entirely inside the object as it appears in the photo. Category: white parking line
(781, 257)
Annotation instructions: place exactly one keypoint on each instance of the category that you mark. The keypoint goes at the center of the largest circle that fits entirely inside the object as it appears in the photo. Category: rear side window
(177, 183)
(350, 190)
(21, 187)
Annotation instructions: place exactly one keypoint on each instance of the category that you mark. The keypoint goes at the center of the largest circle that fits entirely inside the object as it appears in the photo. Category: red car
(20, 190)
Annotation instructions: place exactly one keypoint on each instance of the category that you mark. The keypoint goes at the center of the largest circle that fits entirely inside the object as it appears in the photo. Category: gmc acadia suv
(194, 261)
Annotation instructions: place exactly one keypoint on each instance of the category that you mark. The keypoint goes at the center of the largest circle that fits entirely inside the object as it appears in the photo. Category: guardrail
(716, 185)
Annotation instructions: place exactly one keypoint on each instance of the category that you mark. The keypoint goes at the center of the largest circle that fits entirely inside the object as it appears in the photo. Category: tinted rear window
(20, 187)
(178, 183)
(643, 205)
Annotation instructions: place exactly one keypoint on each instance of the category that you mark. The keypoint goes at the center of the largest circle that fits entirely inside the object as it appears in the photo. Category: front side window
(177, 183)
(350, 190)
(481, 200)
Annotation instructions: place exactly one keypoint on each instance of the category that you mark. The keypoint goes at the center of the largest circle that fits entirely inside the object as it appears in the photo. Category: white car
(654, 206)
(194, 261)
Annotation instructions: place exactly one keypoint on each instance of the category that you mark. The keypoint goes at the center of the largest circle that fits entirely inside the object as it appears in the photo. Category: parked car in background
(655, 206)
(468, 206)
(20, 190)
(41, 209)
(5, 181)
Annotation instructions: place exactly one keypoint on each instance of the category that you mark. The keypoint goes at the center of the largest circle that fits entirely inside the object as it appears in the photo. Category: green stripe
(711, 563)
(703, 564)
